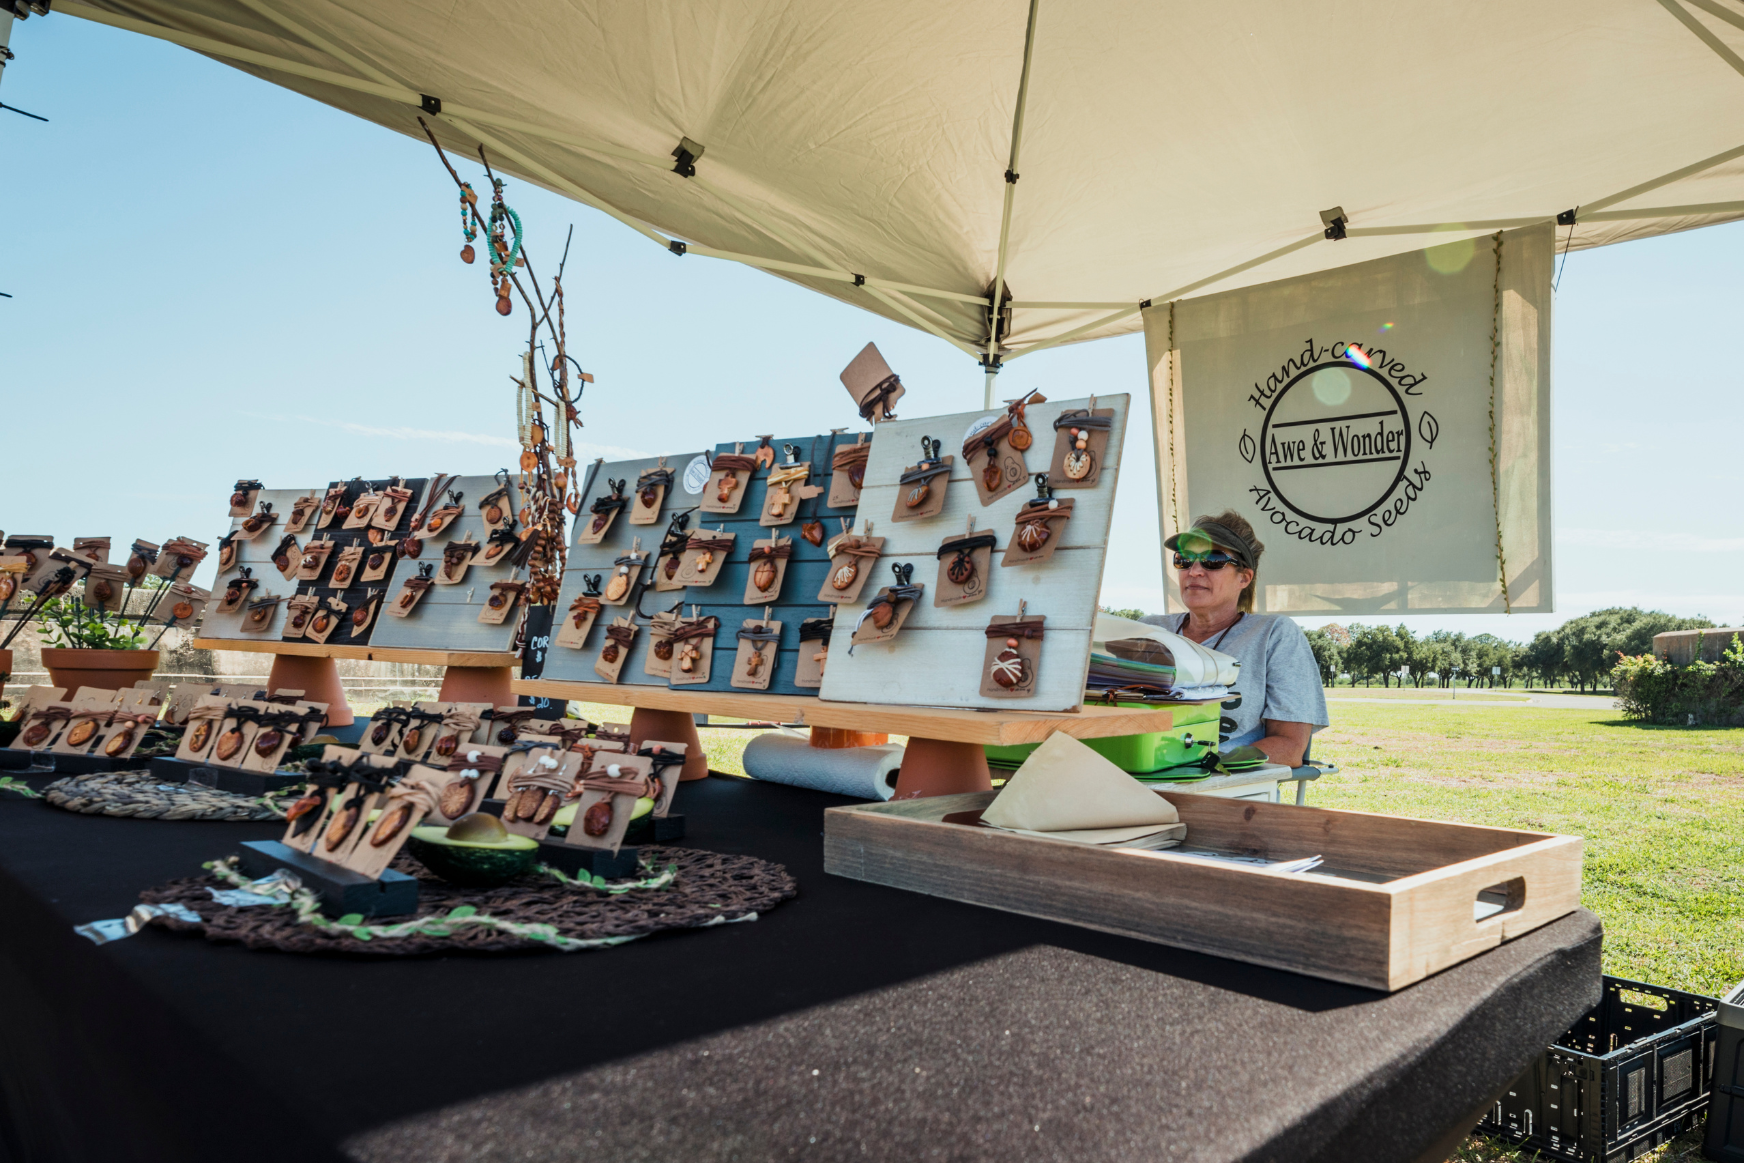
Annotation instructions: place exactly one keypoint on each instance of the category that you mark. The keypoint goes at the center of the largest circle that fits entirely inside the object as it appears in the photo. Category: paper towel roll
(867, 773)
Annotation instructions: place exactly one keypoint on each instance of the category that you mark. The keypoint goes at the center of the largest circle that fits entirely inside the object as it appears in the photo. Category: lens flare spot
(1386, 327)
(1451, 257)
(1332, 385)
(1358, 356)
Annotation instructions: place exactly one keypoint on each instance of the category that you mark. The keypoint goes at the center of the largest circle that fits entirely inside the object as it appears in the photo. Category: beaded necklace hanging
(468, 211)
(505, 256)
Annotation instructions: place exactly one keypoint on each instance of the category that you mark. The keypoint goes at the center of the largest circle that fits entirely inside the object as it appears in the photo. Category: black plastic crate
(1632, 1074)
(1725, 1140)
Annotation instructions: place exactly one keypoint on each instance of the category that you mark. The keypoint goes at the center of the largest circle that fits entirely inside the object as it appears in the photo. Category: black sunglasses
(1214, 560)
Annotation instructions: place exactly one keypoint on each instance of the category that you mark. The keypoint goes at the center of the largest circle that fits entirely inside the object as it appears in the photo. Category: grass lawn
(1662, 811)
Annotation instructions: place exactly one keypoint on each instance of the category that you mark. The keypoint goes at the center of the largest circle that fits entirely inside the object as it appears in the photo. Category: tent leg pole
(987, 390)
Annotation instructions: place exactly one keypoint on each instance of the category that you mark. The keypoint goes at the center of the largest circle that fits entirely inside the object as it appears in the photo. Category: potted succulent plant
(92, 647)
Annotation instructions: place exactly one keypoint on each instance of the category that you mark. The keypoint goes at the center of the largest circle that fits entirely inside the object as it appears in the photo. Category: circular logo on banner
(696, 475)
(1335, 443)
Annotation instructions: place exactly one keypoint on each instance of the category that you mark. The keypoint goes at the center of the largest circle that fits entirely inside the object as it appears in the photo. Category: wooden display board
(1005, 728)
(446, 617)
(796, 602)
(937, 658)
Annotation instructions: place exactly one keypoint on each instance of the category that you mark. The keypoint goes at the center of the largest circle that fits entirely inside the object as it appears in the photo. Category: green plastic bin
(1195, 731)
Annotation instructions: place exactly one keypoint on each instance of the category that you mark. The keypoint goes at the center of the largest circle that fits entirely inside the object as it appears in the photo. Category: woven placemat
(142, 795)
(710, 888)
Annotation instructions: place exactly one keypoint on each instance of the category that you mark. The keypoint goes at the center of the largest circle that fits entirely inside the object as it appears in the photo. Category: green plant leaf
(350, 919)
(460, 911)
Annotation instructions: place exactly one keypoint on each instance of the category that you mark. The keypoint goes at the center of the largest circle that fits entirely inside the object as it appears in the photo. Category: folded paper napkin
(1066, 791)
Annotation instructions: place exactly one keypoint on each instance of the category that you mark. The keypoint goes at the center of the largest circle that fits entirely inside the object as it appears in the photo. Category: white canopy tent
(1085, 158)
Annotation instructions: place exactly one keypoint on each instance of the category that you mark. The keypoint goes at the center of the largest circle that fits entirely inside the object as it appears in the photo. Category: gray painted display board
(937, 658)
(258, 555)
(446, 618)
(805, 569)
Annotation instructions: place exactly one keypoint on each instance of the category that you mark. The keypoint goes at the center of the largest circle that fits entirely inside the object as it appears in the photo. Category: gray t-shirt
(1278, 677)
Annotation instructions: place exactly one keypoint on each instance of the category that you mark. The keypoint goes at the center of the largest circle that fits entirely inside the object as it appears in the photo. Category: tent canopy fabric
(1154, 151)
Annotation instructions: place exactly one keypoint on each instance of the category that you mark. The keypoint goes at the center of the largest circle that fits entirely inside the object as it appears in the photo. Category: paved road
(1565, 702)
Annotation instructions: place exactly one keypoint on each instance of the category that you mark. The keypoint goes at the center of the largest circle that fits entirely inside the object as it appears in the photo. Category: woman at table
(1282, 703)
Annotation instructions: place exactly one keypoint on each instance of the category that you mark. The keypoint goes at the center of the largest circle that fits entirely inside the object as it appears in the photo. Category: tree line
(1580, 652)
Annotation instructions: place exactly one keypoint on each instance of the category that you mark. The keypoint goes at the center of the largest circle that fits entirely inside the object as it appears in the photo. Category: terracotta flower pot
(107, 669)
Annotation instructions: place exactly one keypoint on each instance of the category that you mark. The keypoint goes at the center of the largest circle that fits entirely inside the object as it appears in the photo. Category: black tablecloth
(852, 1022)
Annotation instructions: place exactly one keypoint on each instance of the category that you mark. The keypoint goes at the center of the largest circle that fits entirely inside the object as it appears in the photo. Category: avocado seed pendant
(8, 587)
(990, 473)
(259, 617)
(649, 495)
(497, 600)
(182, 610)
(857, 475)
(610, 653)
(845, 574)
(342, 573)
(763, 576)
(724, 492)
(663, 649)
(493, 513)
(360, 617)
(456, 798)
(688, 656)
(1009, 667)
(303, 807)
(392, 824)
(961, 569)
(467, 254)
(779, 502)
(37, 732)
(1032, 535)
(619, 585)
(1020, 436)
(916, 496)
(671, 569)
(119, 741)
(229, 743)
(343, 822)
(320, 624)
(409, 741)
(600, 521)
(197, 738)
(268, 741)
(1077, 464)
(102, 591)
(379, 734)
(754, 663)
(813, 531)
(445, 747)
(81, 732)
(597, 820)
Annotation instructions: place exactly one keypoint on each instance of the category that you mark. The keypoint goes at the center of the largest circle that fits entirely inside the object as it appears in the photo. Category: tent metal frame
(897, 296)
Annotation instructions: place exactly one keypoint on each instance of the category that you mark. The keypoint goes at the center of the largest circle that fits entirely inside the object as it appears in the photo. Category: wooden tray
(1395, 901)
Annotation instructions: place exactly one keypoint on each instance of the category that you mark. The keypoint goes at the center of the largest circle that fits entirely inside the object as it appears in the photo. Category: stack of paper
(1066, 791)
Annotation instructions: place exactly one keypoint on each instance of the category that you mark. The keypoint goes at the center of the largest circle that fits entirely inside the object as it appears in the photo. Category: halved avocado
(492, 856)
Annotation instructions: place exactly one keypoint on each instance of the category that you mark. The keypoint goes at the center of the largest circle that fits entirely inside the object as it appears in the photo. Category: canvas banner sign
(1350, 416)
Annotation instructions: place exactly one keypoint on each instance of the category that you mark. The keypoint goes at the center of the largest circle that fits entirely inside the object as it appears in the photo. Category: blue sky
(216, 278)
